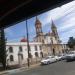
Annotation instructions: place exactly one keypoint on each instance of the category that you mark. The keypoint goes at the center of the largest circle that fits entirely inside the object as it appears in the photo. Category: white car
(58, 58)
(48, 60)
(63, 56)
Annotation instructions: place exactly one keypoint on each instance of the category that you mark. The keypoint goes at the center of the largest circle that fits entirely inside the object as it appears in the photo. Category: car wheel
(48, 62)
(68, 60)
(56, 60)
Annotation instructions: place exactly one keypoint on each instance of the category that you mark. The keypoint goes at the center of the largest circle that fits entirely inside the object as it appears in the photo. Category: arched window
(22, 56)
(41, 54)
(35, 48)
(20, 49)
(40, 47)
(10, 49)
(36, 54)
(53, 51)
(11, 58)
(42, 41)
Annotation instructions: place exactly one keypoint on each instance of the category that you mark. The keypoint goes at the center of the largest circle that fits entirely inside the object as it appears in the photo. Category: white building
(17, 53)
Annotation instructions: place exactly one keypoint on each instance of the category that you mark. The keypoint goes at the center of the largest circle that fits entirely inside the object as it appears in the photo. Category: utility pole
(2, 48)
(27, 43)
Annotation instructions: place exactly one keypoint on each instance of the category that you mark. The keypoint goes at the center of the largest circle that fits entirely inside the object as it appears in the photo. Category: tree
(2, 49)
(71, 43)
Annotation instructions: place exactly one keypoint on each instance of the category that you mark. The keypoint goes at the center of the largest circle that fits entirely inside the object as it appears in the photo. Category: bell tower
(54, 31)
(39, 33)
(38, 26)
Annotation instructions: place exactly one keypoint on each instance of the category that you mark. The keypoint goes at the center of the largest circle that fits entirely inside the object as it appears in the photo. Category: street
(58, 68)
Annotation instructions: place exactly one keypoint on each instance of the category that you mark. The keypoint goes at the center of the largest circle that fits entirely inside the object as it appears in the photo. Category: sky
(63, 17)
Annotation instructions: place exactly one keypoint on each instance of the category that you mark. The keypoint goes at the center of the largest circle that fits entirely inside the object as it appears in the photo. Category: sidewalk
(20, 69)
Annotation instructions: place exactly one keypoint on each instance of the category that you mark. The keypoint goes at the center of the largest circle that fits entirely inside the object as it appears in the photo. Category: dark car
(70, 56)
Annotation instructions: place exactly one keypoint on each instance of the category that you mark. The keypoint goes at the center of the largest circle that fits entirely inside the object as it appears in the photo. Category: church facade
(51, 42)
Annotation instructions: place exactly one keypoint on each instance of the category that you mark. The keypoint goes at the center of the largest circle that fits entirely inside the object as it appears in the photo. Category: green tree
(2, 48)
(71, 43)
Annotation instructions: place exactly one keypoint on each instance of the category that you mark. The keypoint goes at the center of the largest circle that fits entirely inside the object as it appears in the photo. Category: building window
(41, 54)
(40, 47)
(22, 56)
(35, 48)
(36, 54)
(53, 51)
(42, 41)
(10, 49)
(20, 49)
(11, 58)
(30, 55)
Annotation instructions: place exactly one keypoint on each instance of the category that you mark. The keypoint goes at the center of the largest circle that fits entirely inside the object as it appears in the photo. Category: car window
(46, 57)
(70, 52)
(52, 57)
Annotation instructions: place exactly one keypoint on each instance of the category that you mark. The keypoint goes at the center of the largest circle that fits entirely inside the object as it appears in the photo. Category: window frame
(11, 58)
(10, 49)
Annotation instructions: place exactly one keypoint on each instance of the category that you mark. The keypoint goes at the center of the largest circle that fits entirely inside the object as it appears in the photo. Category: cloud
(58, 13)
(67, 24)
(65, 36)
(61, 11)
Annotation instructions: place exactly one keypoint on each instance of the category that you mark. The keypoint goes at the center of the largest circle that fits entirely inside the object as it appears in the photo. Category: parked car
(48, 60)
(70, 56)
(57, 57)
(62, 56)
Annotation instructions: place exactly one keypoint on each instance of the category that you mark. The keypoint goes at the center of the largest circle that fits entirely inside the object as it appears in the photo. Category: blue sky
(63, 17)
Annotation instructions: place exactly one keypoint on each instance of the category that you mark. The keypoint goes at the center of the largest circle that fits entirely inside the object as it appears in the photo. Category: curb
(31, 67)
(5, 72)
(20, 69)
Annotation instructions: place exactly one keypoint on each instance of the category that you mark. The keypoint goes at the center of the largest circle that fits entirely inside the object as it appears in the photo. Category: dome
(23, 40)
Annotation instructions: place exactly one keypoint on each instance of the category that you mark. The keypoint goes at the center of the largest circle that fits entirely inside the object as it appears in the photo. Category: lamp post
(27, 43)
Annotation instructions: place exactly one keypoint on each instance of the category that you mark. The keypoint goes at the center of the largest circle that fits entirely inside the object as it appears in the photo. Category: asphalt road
(58, 68)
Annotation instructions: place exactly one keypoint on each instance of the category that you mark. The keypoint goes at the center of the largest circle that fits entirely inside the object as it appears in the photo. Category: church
(42, 46)
(51, 42)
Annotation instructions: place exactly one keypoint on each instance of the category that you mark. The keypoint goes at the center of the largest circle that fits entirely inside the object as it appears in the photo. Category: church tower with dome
(39, 33)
